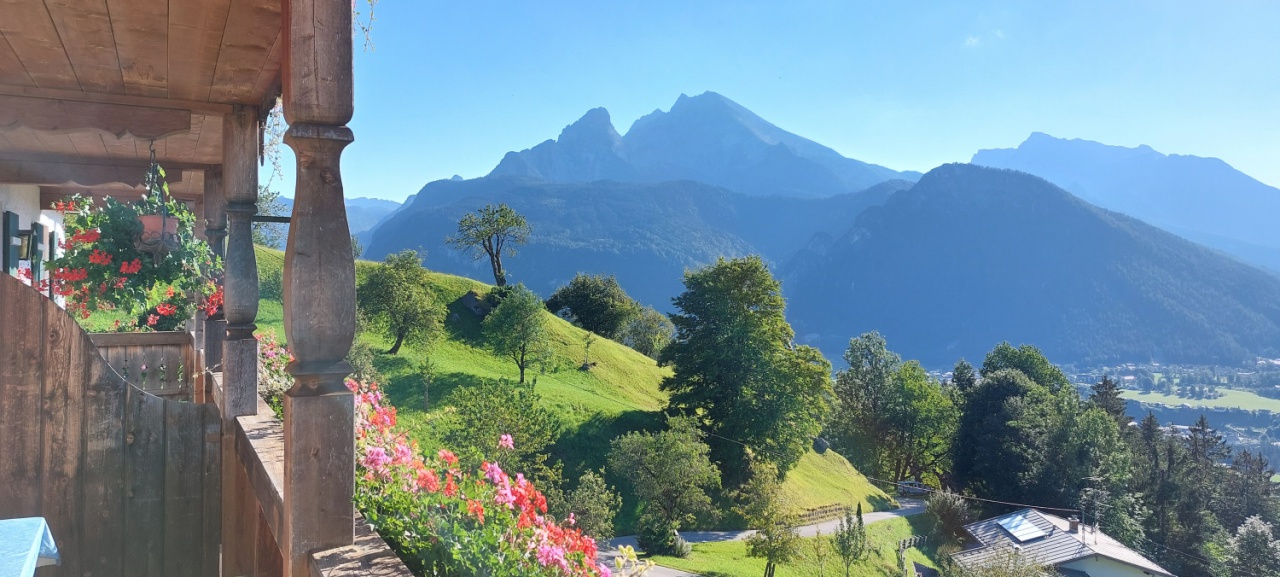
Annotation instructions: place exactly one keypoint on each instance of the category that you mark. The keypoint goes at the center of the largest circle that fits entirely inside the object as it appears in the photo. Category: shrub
(670, 472)
(271, 286)
(950, 511)
(593, 505)
(361, 357)
(486, 410)
(658, 536)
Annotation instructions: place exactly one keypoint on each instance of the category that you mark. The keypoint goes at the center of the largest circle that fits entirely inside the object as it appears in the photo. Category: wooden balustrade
(163, 363)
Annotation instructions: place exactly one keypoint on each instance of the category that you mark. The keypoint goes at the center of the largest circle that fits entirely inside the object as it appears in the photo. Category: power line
(1183, 553)
(1010, 503)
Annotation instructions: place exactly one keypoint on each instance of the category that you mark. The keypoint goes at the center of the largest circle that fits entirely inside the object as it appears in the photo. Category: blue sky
(452, 86)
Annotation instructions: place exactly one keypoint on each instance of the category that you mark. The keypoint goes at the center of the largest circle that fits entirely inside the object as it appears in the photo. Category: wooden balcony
(183, 473)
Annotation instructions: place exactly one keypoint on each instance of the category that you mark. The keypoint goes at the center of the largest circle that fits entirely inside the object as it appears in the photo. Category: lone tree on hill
(491, 231)
(517, 329)
(395, 296)
(596, 302)
(738, 372)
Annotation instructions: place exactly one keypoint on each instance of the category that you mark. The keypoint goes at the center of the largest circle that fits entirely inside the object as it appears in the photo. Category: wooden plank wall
(168, 357)
(130, 483)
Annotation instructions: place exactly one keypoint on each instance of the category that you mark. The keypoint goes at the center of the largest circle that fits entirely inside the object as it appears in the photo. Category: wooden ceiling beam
(195, 106)
(64, 116)
(130, 163)
(62, 173)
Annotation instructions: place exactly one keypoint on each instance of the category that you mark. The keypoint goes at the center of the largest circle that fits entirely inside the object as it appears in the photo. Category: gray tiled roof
(1058, 546)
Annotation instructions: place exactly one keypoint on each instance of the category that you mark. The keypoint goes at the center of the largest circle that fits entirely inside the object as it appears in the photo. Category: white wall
(24, 199)
(1099, 566)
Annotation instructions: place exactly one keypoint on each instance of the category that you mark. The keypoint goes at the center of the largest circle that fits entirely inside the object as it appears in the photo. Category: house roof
(1054, 544)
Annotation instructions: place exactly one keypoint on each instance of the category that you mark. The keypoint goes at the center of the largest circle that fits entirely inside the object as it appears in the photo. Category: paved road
(906, 508)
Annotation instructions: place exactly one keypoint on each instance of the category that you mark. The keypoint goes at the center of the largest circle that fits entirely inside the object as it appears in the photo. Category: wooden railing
(253, 507)
(162, 363)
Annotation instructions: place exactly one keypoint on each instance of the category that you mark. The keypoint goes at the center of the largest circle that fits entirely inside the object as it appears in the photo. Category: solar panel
(1021, 527)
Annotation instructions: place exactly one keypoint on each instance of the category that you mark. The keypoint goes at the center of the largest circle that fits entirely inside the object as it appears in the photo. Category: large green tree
(994, 455)
(1253, 551)
(891, 418)
(669, 471)
(493, 231)
(517, 328)
(963, 376)
(596, 303)
(1027, 359)
(737, 371)
(396, 297)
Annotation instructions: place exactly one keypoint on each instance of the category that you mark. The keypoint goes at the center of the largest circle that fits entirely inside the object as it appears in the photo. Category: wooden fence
(163, 363)
(823, 513)
(130, 483)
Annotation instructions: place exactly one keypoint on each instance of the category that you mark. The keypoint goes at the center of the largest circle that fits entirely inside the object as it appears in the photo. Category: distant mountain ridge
(706, 138)
(1201, 199)
(972, 256)
(946, 267)
(645, 233)
(363, 213)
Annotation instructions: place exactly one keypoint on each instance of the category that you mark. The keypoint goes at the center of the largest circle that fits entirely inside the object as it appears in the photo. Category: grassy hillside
(619, 394)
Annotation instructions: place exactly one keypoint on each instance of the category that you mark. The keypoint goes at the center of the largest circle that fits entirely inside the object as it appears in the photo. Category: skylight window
(1021, 528)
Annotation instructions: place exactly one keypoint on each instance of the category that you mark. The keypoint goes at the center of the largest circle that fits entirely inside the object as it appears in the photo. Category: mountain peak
(595, 122)
(587, 150)
(708, 138)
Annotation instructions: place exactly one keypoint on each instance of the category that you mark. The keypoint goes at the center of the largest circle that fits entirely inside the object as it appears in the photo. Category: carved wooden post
(215, 230)
(240, 277)
(240, 308)
(319, 284)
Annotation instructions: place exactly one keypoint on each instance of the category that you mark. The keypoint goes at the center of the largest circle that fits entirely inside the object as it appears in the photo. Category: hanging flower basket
(102, 266)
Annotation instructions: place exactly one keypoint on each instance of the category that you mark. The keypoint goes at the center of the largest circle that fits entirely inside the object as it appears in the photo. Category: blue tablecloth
(24, 545)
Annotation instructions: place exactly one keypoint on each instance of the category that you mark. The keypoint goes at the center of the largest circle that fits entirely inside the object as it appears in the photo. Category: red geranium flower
(476, 508)
(166, 309)
(99, 257)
